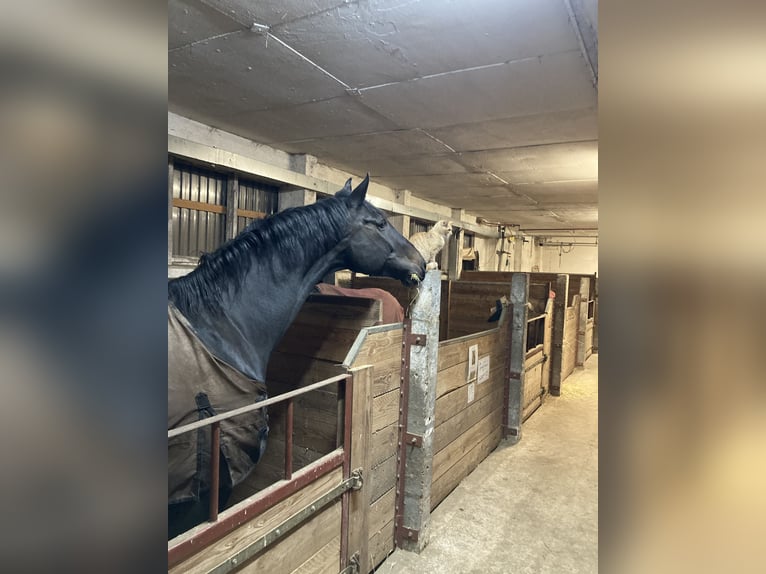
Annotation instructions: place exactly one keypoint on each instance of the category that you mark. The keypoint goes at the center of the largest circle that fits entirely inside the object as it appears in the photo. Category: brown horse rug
(199, 386)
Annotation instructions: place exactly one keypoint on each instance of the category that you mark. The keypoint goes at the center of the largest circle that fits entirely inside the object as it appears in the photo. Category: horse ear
(358, 195)
(347, 187)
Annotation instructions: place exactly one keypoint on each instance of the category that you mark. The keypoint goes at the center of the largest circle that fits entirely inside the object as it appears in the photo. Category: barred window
(201, 198)
(256, 200)
(198, 210)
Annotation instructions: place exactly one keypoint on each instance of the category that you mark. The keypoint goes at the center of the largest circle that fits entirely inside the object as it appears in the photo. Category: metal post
(215, 458)
(289, 439)
(518, 344)
(415, 484)
(557, 346)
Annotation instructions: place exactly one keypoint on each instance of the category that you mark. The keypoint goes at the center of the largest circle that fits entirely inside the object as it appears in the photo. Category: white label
(473, 360)
(483, 368)
(471, 392)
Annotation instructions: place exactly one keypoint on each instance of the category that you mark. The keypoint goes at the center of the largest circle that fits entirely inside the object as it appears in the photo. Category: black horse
(237, 305)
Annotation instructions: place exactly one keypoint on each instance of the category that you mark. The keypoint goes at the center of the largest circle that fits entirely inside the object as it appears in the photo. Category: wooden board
(447, 457)
(569, 349)
(381, 514)
(455, 351)
(471, 304)
(383, 444)
(325, 561)
(381, 544)
(235, 541)
(382, 478)
(462, 468)
(385, 410)
(383, 350)
(446, 433)
(294, 549)
(456, 401)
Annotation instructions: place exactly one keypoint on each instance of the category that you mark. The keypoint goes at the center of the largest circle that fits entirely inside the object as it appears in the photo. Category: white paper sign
(473, 359)
(483, 368)
(471, 392)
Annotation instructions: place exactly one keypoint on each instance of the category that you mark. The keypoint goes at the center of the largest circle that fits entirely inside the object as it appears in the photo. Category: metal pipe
(344, 514)
(254, 406)
(215, 459)
(289, 440)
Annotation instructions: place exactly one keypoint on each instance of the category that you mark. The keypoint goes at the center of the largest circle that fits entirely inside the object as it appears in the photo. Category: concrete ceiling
(484, 105)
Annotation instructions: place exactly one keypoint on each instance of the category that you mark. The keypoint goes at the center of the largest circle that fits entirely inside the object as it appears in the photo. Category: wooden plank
(359, 500)
(450, 479)
(381, 544)
(321, 342)
(471, 304)
(235, 541)
(456, 401)
(385, 410)
(377, 347)
(297, 370)
(325, 561)
(533, 385)
(455, 351)
(340, 312)
(454, 451)
(198, 206)
(250, 214)
(383, 444)
(297, 547)
(383, 478)
(382, 511)
(444, 434)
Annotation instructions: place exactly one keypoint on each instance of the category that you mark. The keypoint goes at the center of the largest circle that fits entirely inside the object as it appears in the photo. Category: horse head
(374, 247)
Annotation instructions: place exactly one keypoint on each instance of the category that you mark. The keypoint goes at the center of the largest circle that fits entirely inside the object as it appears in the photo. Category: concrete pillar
(416, 511)
(519, 315)
(296, 198)
(557, 346)
(518, 252)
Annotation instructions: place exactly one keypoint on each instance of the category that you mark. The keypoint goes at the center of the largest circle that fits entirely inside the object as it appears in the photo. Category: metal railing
(292, 482)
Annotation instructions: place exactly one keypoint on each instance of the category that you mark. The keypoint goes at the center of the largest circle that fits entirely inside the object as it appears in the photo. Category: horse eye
(379, 223)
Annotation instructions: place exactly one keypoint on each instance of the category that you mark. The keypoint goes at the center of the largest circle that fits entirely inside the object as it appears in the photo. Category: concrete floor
(528, 508)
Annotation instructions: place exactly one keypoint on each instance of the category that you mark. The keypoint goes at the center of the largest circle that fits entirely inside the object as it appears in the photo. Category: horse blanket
(392, 310)
(199, 386)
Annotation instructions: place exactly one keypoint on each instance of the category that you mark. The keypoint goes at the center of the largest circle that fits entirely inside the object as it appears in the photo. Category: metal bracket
(353, 482)
(356, 480)
(353, 565)
(413, 440)
(418, 339)
(514, 375)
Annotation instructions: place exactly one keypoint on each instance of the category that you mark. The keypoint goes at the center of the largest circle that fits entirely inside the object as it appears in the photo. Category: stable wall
(581, 259)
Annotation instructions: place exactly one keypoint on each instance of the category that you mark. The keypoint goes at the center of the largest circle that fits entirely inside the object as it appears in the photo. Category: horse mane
(288, 238)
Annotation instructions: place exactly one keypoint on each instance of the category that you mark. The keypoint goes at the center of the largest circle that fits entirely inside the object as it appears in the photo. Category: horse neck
(257, 314)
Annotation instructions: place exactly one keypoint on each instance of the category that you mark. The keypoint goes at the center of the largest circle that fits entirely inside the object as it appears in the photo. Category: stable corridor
(529, 508)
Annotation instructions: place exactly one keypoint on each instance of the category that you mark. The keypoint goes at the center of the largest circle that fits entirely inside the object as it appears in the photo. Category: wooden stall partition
(471, 304)
(469, 414)
(406, 295)
(380, 347)
(316, 540)
(311, 350)
(569, 345)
